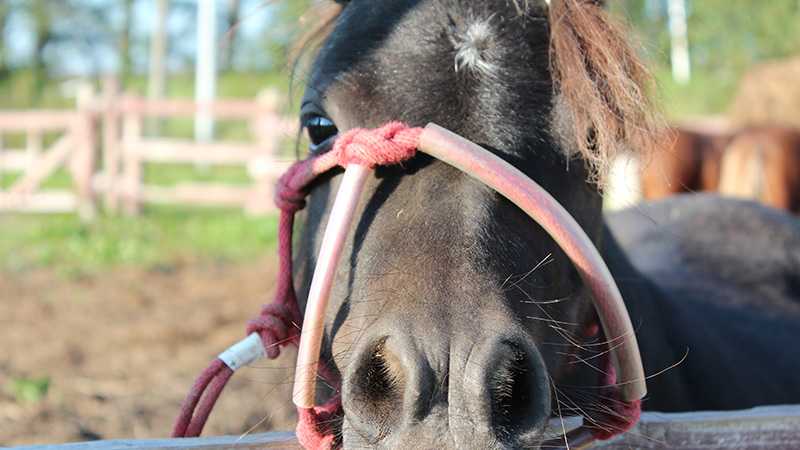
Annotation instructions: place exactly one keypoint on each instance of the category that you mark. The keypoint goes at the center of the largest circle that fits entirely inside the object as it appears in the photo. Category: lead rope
(279, 323)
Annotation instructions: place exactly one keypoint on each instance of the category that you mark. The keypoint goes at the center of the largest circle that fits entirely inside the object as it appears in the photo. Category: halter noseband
(359, 151)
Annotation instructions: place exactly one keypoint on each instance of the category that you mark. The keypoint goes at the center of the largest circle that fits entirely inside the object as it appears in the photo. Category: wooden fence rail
(134, 150)
(764, 428)
(74, 149)
(110, 126)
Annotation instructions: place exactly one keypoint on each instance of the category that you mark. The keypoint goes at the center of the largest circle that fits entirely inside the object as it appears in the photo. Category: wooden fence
(764, 428)
(73, 149)
(104, 148)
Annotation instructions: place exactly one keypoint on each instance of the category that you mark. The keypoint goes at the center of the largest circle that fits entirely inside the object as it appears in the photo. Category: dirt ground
(121, 350)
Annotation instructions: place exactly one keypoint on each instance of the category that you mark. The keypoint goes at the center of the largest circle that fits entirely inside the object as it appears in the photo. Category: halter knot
(277, 325)
(290, 195)
(390, 144)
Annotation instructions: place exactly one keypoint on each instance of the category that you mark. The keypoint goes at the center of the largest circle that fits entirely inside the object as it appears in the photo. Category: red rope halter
(279, 323)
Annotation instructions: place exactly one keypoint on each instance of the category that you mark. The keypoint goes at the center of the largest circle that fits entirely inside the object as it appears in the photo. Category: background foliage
(726, 37)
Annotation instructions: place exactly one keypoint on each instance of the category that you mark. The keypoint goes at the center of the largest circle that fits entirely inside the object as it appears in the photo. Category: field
(103, 342)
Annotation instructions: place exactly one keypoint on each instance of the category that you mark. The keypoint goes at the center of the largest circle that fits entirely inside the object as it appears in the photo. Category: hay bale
(769, 93)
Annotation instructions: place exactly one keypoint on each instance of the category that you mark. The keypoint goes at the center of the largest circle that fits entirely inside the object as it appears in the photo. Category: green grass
(705, 94)
(28, 390)
(155, 174)
(161, 236)
(172, 174)
(60, 179)
(17, 92)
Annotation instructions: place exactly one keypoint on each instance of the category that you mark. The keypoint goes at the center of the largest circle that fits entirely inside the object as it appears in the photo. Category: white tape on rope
(557, 427)
(244, 352)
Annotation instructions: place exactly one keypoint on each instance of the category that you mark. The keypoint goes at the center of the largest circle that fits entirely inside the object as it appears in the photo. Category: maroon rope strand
(279, 323)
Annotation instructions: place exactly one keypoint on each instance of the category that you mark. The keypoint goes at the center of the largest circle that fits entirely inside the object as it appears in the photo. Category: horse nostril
(377, 388)
(516, 392)
(381, 374)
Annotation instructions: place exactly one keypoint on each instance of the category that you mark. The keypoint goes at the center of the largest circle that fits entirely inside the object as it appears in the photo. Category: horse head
(455, 321)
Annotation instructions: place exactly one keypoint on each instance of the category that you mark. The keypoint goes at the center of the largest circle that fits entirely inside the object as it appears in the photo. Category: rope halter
(359, 151)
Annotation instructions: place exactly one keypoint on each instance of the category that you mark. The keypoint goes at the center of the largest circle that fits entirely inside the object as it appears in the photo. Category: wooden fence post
(83, 160)
(33, 146)
(2, 148)
(111, 144)
(132, 161)
(265, 128)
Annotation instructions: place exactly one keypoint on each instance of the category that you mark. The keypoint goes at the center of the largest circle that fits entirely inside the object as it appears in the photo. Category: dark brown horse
(456, 322)
(453, 317)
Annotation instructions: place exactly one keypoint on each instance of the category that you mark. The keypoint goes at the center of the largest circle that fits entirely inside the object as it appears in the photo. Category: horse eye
(320, 131)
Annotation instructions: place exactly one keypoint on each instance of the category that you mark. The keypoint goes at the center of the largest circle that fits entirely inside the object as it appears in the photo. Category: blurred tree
(55, 29)
(124, 48)
(721, 32)
(5, 12)
(725, 37)
(41, 16)
(232, 17)
(157, 70)
(281, 34)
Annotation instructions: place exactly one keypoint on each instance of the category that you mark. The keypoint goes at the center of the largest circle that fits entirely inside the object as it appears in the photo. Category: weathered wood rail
(127, 152)
(74, 150)
(764, 428)
(104, 149)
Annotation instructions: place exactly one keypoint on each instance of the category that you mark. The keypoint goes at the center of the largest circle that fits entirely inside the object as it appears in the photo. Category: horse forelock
(602, 104)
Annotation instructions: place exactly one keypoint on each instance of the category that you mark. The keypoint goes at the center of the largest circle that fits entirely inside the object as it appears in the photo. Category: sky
(89, 54)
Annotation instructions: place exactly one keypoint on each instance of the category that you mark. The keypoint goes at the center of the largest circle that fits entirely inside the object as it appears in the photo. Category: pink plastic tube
(520, 190)
(514, 185)
(336, 233)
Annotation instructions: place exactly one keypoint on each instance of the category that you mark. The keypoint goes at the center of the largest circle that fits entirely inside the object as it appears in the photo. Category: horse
(763, 163)
(689, 161)
(454, 320)
(758, 162)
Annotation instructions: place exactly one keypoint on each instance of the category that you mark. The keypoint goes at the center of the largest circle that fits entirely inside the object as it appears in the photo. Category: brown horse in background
(690, 162)
(763, 164)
